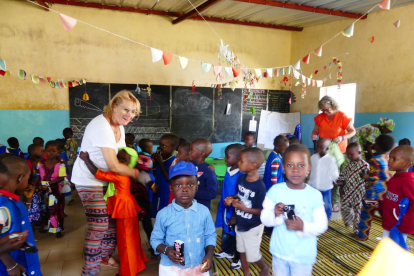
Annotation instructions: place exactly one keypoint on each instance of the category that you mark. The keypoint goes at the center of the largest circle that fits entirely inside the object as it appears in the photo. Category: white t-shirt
(98, 134)
(324, 172)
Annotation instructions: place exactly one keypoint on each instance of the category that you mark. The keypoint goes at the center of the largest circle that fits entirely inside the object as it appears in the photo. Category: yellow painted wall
(383, 70)
(34, 40)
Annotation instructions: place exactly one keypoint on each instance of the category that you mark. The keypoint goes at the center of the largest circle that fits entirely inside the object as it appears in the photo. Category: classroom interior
(377, 58)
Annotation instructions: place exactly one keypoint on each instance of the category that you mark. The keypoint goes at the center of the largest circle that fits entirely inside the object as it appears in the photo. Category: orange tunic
(123, 204)
(334, 128)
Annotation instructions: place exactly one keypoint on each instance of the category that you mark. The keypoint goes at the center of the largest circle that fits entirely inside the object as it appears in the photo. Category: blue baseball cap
(182, 168)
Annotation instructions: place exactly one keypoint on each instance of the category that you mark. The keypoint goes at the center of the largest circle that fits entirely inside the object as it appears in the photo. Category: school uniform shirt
(295, 246)
(98, 134)
(15, 218)
(274, 170)
(252, 195)
(399, 186)
(324, 172)
(194, 226)
(163, 192)
(207, 187)
(225, 213)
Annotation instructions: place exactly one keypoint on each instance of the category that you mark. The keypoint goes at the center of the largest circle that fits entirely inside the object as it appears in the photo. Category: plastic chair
(210, 160)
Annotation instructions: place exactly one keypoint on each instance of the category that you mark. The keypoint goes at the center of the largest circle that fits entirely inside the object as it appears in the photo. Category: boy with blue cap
(185, 221)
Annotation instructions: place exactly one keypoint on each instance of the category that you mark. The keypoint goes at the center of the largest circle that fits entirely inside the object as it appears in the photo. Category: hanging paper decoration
(319, 83)
(236, 71)
(309, 81)
(156, 54)
(57, 84)
(316, 72)
(68, 22)
(219, 93)
(249, 78)
(193, 87)
(385, 4)
(397, 23)
(269, 72)
(303, 90)
(205, 67)
(167, 57)
(227, 56)
(303, 78)
(277, 73)
(292, 98)
(2, 72)
(233, 84)
(253, 110)
(8, 73)
(297, 83)
(217, 69)
(258, 73)
(285, 81)
(318, 51)
(35, 79)
(183, 62)
(296, 74)
(313, 83)
(282, 71)
(349, 31)
(306, 59)
(22, 74)
(288, 70)
(338, 64)
(297, 65)
(52, 84)
(324, 68)
(85, 97)
(229, 72)
(2, 65)
(372, 39)
(311, 76)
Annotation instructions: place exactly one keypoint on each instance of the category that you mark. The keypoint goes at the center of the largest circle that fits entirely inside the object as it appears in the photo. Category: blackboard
(82, 112)
(192, 113)
(259, 101)
(227, 127)
(279, 101)
(154, 119)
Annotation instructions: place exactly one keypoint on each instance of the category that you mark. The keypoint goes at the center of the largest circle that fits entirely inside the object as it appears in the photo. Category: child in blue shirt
(14, 147)
(14, 218)
(293, 241)
(187, 221)
(225, 213)
(274, 165)
(163, 160)
(200, 149)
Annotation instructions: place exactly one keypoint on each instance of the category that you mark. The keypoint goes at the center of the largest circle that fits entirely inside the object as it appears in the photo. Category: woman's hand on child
(84, 156)
(206, 264)
(174, 256)
(279, 209)
(294, 225)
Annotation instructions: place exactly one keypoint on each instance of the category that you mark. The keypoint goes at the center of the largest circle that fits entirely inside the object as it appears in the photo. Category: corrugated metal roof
(249, 12)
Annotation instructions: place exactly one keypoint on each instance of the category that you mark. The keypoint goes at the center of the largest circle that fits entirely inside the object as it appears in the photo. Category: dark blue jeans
(228, 245)
(327, 200)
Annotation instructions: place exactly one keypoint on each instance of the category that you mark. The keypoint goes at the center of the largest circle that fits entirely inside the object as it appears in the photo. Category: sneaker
(235, 264)
(221, 255)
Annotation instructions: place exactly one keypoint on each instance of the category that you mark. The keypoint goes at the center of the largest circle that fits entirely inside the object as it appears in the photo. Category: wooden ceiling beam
(193, 12)
(298, 7)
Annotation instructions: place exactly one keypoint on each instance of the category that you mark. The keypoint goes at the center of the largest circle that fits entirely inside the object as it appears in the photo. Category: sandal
(110, 262)
(335, 208)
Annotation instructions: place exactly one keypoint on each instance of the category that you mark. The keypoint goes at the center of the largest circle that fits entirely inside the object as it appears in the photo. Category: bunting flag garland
(183, 62)
(313, 83)
(67, 22)
(167, 57)
(2, 65)
(349, 31)
(309, 81)
(306, 59)
(318, 51)
(2, 72)
(217, 69)
(297, 65)
(22, 74)
(296, 74)
(319, 83)
(397, 23)
(288, 70)
(269, 72)
(303, 78)
(156, 55)
(205, 67)
(258, 73)
(236, 72)
(385, 4)
(229, 72)
(277, 73)
(282, 71)
(372, 39)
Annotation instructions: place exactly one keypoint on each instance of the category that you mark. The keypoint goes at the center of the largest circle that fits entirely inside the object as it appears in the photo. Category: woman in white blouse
(102, 138)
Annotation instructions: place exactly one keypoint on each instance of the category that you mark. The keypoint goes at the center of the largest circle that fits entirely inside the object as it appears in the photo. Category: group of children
(176, 185)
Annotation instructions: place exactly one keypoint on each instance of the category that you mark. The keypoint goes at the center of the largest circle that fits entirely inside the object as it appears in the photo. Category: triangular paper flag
(372, 39)
(258, 73)
(349, 31)
(303, 78)
(22, 74)
(297, 65)
(319, 83)
(277, 73)
(7, 73)
(397, 23)
(385, 4)
(296, 74)
(306, 59)
(2, 65)
(183, 62)
(35, 79)
(313, 83)
(297, 83)
(324, 68)
(282, 71)
(205, 67)
(229, 72)
(167, 57)
(236, 72)
(68, 22)
(311, 76)
(318, 51)
(269, 72)
(217, 69)
(156, 54)
(288, 70)
(309, 81)
(2, 72)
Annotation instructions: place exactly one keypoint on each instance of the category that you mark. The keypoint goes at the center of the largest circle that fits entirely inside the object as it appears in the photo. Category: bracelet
(165, 250)
(136, 172)
(10, 269)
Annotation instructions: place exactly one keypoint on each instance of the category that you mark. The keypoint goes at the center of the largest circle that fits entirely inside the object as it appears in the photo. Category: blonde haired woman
(103, 136)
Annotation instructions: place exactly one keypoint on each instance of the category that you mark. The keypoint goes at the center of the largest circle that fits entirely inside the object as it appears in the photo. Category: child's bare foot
(59, 235)
(265, 271)
(355, 236)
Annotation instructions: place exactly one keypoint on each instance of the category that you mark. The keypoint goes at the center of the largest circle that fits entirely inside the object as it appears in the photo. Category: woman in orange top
(334, 125)
(123, 207)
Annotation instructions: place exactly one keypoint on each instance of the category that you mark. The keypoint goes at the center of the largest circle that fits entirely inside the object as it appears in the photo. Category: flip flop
(110, 262)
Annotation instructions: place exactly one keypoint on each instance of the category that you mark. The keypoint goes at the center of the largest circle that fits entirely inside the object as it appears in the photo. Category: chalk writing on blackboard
(279, 101)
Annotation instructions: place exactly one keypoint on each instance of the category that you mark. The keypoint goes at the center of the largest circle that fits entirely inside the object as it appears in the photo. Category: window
(344, 96)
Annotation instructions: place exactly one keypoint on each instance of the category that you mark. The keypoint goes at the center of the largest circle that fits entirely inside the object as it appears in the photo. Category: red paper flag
(385, 4)
(236, 71)
(2, 72)
(306, 59)
(167, 57)
(372, 39)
